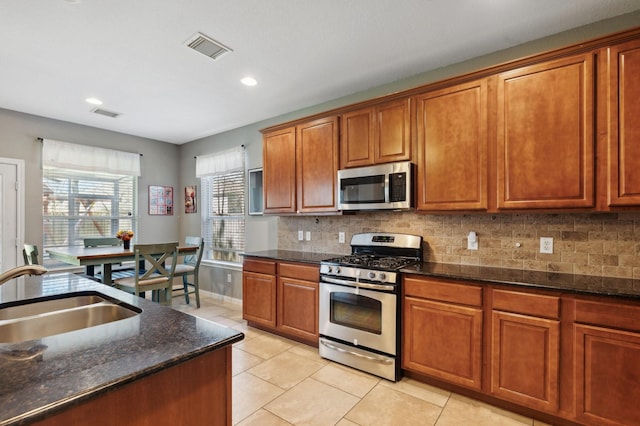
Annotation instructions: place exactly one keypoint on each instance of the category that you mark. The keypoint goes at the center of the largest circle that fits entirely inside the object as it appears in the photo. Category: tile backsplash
(601, 244)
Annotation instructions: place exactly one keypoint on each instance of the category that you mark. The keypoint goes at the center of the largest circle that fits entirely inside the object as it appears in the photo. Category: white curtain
(221, 162)
(66, 155)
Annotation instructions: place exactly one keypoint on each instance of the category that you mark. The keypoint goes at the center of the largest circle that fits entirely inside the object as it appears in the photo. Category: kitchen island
(160, 363)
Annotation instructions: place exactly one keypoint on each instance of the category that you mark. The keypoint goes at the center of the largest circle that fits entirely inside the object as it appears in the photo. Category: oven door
(361, 317)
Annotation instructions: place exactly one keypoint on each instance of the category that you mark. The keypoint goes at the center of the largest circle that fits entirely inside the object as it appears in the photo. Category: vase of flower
(126, 237)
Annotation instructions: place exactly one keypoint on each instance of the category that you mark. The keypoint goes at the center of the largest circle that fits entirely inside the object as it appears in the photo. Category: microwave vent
(207, 46)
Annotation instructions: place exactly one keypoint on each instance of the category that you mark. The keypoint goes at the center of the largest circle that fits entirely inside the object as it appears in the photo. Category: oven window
(362, 190)
(356, 311)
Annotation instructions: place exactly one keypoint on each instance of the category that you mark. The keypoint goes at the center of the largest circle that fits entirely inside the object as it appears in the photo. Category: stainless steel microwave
(380, 187)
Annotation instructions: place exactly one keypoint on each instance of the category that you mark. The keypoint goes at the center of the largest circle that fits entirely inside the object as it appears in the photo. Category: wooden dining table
(104, 256)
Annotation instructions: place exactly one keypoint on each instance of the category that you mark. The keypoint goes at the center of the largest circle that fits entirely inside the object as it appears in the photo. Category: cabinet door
(259, 298)
(607, 376)
(546, 135)
(392, 137)
(317, 165)
(356, 138)
(279, 171)
(443, 340)
(452, 148)
(624, 125)
(525, 356)
(298, 308)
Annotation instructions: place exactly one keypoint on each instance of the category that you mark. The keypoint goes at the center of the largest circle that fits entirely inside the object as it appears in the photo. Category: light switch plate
(308, 236)
(300, 235)
(341, 237)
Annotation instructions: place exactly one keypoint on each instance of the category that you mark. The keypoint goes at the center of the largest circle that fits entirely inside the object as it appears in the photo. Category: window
(77, 205)
(87, 192)
(222, 178)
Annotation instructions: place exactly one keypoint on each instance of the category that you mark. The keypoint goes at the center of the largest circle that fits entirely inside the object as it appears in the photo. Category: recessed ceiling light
(249, 81)
(93, 101)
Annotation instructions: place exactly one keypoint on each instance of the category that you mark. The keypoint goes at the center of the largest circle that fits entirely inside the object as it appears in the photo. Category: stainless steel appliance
(380, 187)
(360, 302)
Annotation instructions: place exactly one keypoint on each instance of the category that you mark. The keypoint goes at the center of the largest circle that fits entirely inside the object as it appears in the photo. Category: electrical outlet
(308, 236)
(228, 278)
(546, 245)
(341, 237)
(300, 235)
(472, 241)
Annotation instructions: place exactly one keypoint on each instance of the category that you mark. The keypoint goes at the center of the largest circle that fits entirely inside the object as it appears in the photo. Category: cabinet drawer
(443, 290)
(526, 303)
(616, 315)
(299, 271)
(260, 266)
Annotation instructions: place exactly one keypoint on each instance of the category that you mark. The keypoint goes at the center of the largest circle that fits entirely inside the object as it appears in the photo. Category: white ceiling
(131, 53)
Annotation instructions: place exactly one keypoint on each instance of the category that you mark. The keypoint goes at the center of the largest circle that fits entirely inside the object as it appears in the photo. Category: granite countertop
(292, 255)
(79, 365)
(573, 283)
(584, 284)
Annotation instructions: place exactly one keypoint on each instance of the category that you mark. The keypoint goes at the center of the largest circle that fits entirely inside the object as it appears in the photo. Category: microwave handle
(387, 183)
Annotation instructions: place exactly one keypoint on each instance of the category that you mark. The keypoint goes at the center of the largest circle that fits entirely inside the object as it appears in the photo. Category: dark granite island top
(79, 365)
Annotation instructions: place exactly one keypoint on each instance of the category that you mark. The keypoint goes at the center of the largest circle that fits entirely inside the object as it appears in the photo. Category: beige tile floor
(277, 381)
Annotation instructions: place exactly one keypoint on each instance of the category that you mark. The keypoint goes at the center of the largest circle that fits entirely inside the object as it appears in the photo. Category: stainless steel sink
(44, 318)
(49, 305)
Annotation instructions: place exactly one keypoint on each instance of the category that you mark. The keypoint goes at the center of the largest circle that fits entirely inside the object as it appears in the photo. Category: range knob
(337, 270)
(372, 275)
(383, 276)
(329, 269)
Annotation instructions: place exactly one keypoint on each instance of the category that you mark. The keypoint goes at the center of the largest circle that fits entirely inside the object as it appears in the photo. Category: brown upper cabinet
(551, 132)
(545, 135)
(279, 171)
(623, 112)
(377, 134)
(452, 148)
(300, 166)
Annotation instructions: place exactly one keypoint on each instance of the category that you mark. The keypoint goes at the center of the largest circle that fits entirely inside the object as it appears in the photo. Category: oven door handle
(357, 284)
(354, 353)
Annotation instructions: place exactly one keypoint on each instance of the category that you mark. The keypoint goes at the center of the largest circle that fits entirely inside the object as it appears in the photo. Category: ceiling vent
(207, 46)
(104, 112)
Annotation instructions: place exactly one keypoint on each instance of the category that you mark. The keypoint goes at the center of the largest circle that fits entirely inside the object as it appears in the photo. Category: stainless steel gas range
(360, 302)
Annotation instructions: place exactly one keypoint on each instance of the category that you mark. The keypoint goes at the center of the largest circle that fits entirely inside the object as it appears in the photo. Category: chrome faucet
(21, 270)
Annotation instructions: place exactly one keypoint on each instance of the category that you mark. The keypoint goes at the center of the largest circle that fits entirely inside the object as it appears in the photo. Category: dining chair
(99, 242)
(157, 277)
(190, 267)
(30, 254)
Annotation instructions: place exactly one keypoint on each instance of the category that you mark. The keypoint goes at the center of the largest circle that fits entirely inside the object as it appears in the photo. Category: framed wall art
(160, 200)
(190, 197)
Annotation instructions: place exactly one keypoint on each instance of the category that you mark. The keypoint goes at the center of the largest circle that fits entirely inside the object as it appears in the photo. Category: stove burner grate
(373, 261)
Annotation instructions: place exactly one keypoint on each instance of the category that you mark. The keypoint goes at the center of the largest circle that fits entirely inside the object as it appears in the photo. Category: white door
(11, 212)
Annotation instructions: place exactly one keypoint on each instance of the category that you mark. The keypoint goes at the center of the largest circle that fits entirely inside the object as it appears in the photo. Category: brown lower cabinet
(196, 392)
(607, 363)
(259, 292)
(282, 297)
(443, 331)
(565, 358)
(525, 349)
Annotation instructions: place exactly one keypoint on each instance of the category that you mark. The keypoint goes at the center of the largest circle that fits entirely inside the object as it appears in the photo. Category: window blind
(78, 205)
(222, 178)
